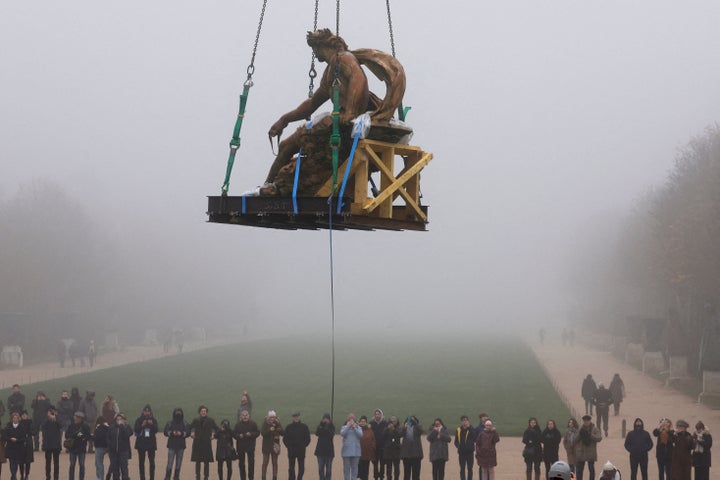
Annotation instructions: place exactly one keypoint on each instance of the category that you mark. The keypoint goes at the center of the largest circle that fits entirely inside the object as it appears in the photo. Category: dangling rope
(401, 111)
(235, 140)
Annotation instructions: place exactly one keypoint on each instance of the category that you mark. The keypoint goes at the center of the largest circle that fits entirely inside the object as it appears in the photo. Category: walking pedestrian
(638, 443)
(617, 392)
(588, 393)
(602, 402)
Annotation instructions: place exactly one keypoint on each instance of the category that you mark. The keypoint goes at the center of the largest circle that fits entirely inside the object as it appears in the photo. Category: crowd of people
(80, 427)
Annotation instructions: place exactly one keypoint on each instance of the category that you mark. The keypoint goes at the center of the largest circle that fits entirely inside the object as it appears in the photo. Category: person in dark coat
(638, 443)
(89, 407)
(392, 447)
(16, 400)
(486, 451)
(146, 428)
(551, 438)
(586, 447)
(202, 430)
(411, 451)
(324, 448)
(119, 435)
(367, 449)
(246, 433)
(176, 431)
(79, 433)
(14, 436)
(51, 443)
(663, 447)
(465, 444)
(439, 438)
(701, 454)
(532, 452)
(683, 446)
(31, 431)
(617, 391)
(64, 410)
(224, 449)
(100, 441)
(271, 432)
(602, 401)
(296, 439)
(378, 425)
(588, 393)
(75, 399)
(40, 406)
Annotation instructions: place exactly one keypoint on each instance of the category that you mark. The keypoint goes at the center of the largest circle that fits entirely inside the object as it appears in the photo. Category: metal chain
(313, 73)
(337, 18)
(392, 37)
(251, 67)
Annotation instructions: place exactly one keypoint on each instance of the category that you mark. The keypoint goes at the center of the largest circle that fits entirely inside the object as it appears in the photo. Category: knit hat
(682, 423)
(271, 413)
(560, 470)
(608, 467)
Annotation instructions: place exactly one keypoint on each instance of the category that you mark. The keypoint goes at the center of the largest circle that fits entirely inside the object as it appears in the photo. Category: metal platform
(313, 213)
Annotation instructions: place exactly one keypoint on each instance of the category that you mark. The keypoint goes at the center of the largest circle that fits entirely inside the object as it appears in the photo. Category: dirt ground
(566, 367)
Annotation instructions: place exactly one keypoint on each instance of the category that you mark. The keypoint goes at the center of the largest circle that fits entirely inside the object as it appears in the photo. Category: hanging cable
(332, 309)
(337, 18)
(313, 73)
(401, 110)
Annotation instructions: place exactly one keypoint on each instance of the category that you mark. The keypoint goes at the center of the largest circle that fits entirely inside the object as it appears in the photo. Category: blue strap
(244, 206)
(347, 169)
(297, 175)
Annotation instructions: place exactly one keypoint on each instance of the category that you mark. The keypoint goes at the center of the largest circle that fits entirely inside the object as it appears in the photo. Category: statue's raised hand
(277, 128)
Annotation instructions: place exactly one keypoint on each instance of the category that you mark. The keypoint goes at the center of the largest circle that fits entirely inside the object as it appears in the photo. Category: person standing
(438, 437)
(32, 432)
(411, 451)
(75, 398)
(176, 431)
(119, 435)
(224, 453)
(40, 407)
(617, 392)
(324, 448)
(392, 447)
(16, 400)
(570, 438)
(92, 353)
(532, 452)
(202, 430)
(664, 446)
(110, 408)
(89, 407)
(78, 433)
(683, 445)
(351, 434)
(378, 425)
(551, 439)
(146, 428)
(100, 441)
(246, 434)
(586, 447)
(64, 410)
(296, 439)
(14, 437)
(701, 453)
(367, 449)
(588, 393)
(602, 402)
(245, 404)
(638, 443)
(465, 443)
(486, 451)
(271, 432)
(51, 443)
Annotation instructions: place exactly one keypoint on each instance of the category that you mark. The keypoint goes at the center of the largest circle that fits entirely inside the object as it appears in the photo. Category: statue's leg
(287, 148)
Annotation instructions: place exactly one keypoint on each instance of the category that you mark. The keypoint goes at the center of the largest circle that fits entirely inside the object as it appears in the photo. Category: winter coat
(3, 459)
(119, 438)
(617, 389)
(40, 409)
(65, 411)
(324, 446)
(439, 441)
(51, 435)
(176, 431)
(663, 450)
(485, 451)
(551, 439)
(681, 463)
(203, 429)
(30, 431)
(638, 442)
(269, 437)
(224, 444)
(90, 409)
(392, 443)
(588, 388)
(250, 432)
(586, 445)
(14, 438)
(244, 407)
(146, 428)
(465, 439)
(532, 438)
(16, 403)
(570, 439)
(603, 398)
(701, 453)
(296, 439)
(100, 435)
(351, 441)
(80, 433)
(411, 442)
(378, 429)
(109, 410)
(367, 444)
(75, 399)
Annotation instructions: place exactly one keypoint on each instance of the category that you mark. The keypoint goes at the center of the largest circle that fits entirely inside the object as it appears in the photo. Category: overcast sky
(541, 115)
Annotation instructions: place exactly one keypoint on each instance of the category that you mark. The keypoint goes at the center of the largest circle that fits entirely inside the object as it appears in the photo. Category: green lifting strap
(235, 141)
(335, 137)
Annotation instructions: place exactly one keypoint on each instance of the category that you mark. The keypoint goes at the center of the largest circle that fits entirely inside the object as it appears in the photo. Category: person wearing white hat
(271, 432)
(610, 472)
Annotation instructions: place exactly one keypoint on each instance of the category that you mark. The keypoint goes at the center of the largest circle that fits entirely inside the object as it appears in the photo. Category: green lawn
(433, 378)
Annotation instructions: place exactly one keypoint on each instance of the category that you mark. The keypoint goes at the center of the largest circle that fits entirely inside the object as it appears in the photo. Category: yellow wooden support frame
(374, 155)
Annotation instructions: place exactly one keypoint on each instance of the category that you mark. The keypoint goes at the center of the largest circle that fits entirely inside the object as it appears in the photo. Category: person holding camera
(119, 435)
(411, 451)
(324, 448)
(664, 447)
(392, 444)
(246, 433)
(351, 434)
(683, 445)
(51, 443)
(701, 453)
(439, 438)
(146, 427)
(76, 438)
(176, 431)
(271, 432)
(100, 441)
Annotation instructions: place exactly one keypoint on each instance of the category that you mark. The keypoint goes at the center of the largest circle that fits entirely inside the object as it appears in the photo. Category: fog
(545, 119)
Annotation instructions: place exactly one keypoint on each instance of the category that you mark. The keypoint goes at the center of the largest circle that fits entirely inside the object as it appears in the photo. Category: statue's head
(324, 38)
